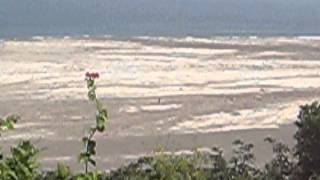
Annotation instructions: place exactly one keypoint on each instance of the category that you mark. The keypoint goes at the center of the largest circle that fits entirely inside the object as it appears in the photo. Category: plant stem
(90, 136)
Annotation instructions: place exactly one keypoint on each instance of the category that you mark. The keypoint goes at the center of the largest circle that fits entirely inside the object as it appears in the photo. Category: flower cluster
(92, 75)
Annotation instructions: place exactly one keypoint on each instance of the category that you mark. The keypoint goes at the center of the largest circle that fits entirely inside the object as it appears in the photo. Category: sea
(173, 18)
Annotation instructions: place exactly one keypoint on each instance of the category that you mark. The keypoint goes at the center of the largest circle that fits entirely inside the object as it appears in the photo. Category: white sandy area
(58, 158)
(309, 37)
(271, 53)
(161, 107)
(128, 109)
(268, 117)
(159, 49)
(24, 125)
(35, 134)
(234, 40)
(54, 68)
(170, 83)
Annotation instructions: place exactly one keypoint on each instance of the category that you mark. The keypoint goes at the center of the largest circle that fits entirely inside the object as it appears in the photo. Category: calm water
(159, 17)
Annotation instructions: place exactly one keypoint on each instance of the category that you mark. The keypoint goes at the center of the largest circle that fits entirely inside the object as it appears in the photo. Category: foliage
(22, 164)
(198, 165)
(8, 123)
(214, 164)
(307, 137)
(242, 163)
(281, 166)
(61, 173)
(160, 166)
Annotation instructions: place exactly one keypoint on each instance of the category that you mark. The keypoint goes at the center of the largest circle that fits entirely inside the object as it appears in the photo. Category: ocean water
(159, 18)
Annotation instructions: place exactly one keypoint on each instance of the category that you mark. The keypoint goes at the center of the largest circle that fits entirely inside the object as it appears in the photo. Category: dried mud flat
(179, 93)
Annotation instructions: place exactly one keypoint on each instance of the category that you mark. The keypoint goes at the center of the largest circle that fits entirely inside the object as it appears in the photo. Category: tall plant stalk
(86, 156)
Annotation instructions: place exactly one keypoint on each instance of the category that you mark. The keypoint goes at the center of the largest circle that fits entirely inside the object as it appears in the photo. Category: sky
(167, 17)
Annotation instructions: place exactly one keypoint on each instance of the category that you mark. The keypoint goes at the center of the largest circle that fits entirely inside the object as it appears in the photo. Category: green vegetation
(102, 116)
(300, 163)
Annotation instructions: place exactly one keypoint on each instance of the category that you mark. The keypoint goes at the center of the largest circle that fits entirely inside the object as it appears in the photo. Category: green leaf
(93, 175)
(104, 113)
(63, 171)
(91, 147)
(90, 83)
(24, 169)
(83, 157)
(12, 174)
(85, 140)
(100, 122)
(9, 122)
(80, 177)
(92, 162)
(92, 95)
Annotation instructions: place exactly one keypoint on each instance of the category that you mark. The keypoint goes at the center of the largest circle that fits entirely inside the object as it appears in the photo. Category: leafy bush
(242, 163)
(198, 165)
(23, 161)
(307, 137)
(160, 166)
(22, 164)
(213, 163)
(282, 164)
(8, 123)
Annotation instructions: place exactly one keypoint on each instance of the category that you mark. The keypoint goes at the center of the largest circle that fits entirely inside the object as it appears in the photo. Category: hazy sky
(159, 16)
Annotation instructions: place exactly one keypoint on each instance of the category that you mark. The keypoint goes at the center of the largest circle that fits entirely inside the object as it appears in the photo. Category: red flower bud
(92, 75)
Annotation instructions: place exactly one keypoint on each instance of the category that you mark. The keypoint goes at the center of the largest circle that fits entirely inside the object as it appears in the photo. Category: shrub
(242, 163)
(162, 167)
(307, 137)
(198, 165)
(8, 123)
(282, 164)
(22, 164)
(214, 164)
(23, 161)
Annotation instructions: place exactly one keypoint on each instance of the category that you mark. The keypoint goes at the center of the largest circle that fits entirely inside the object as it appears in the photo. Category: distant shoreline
(124, 37)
